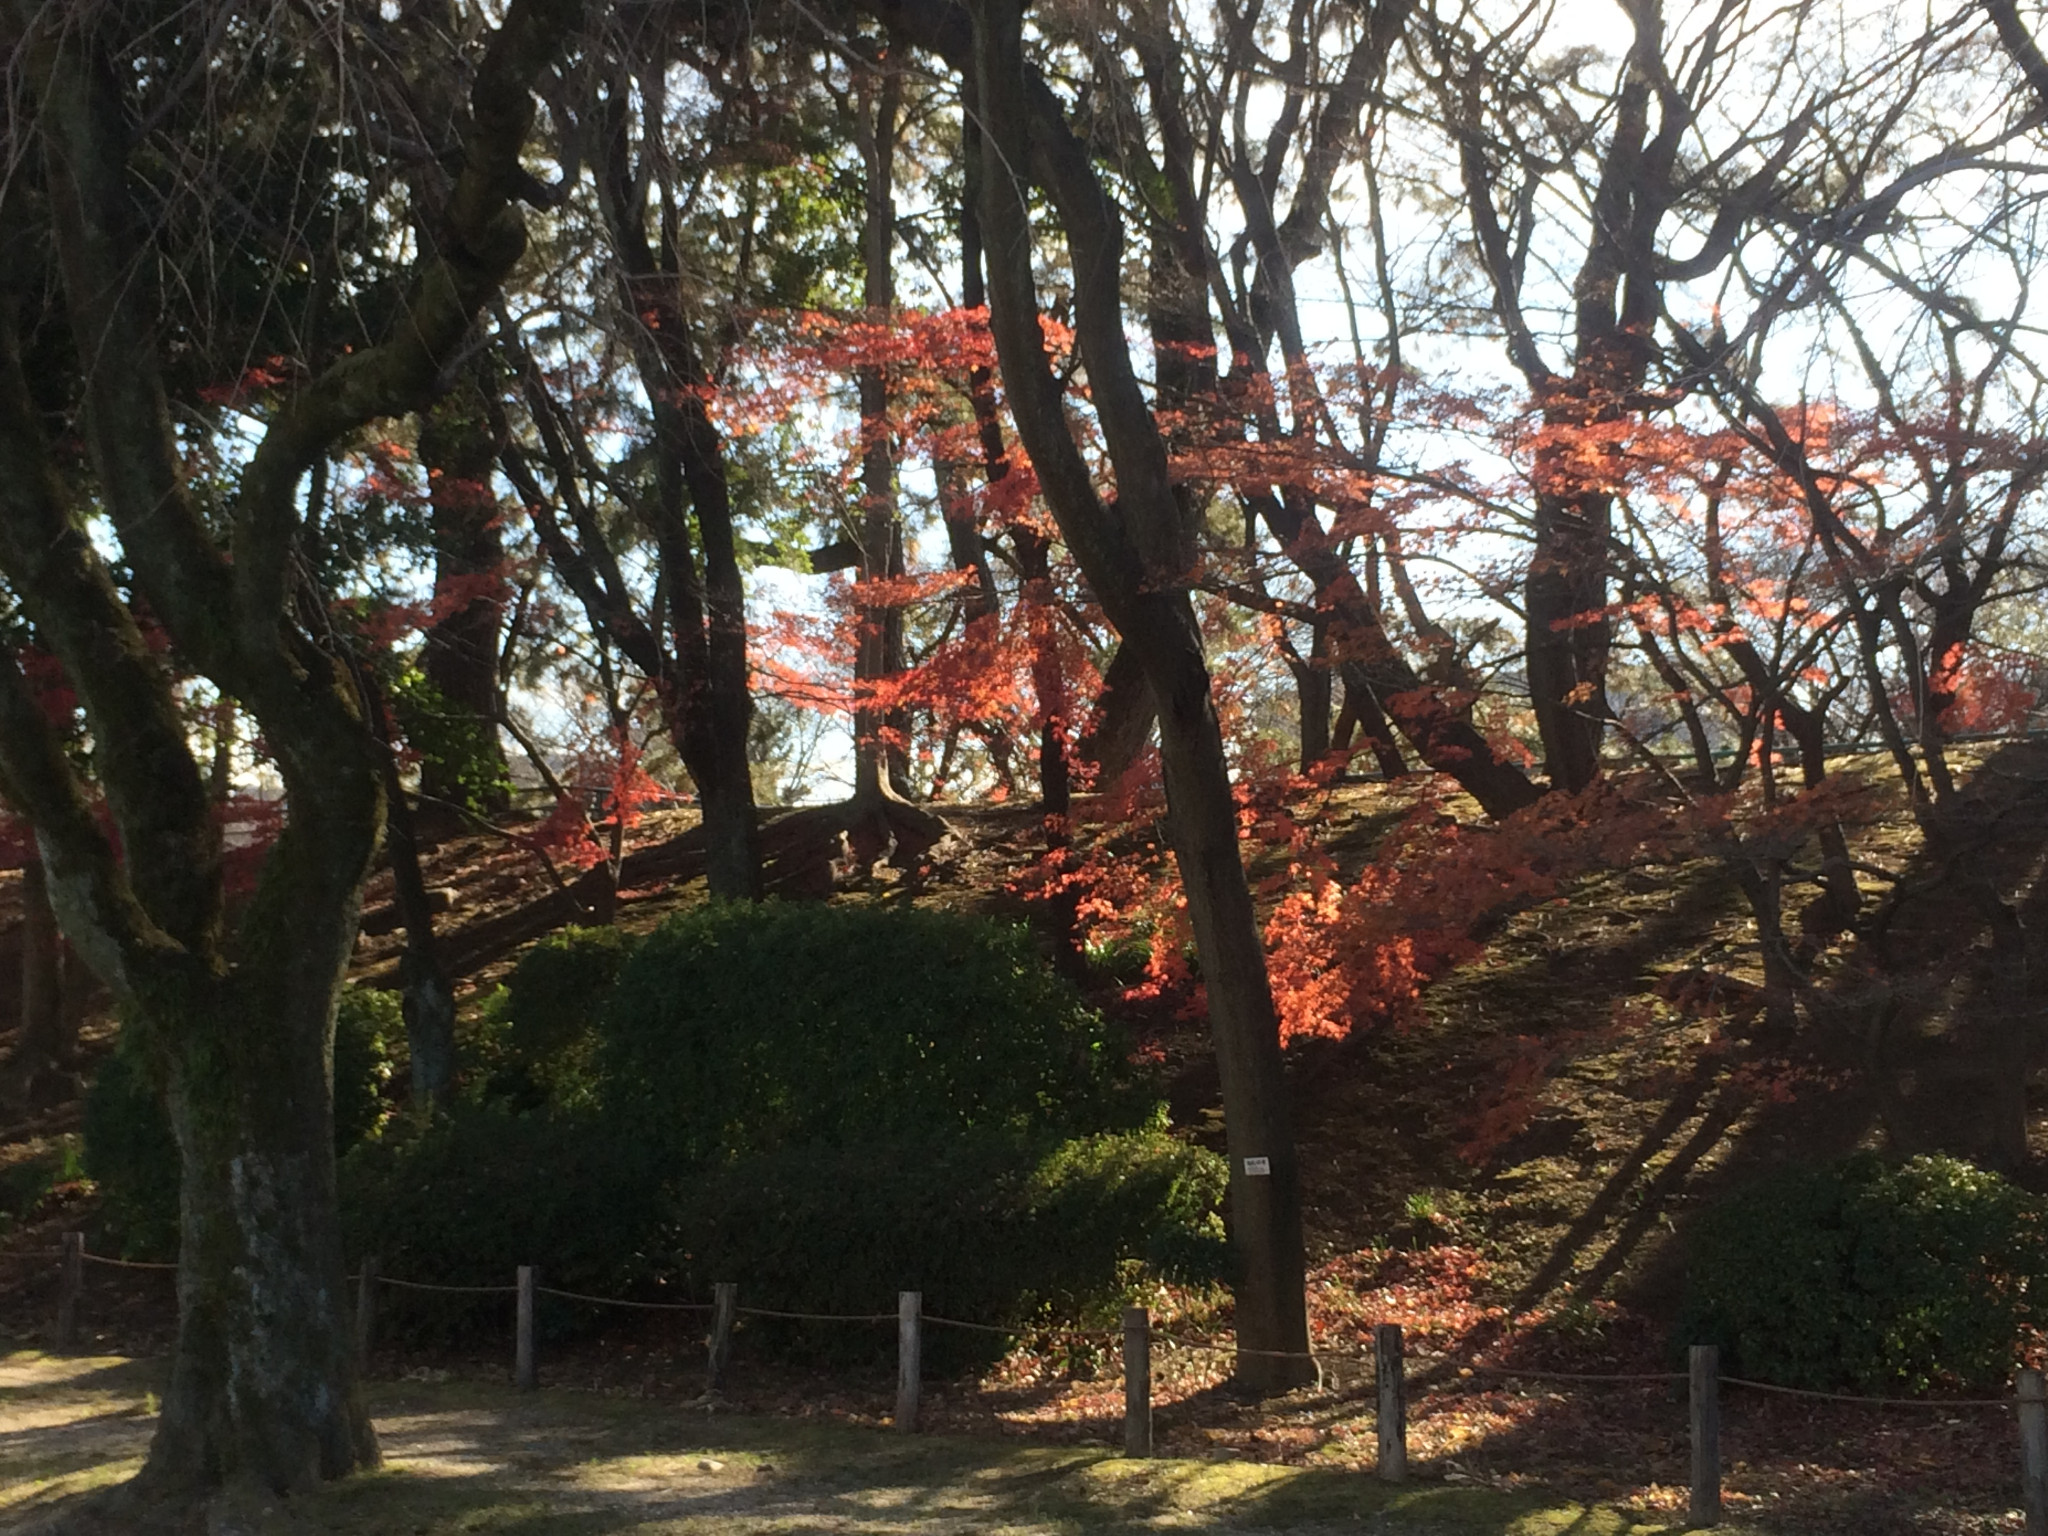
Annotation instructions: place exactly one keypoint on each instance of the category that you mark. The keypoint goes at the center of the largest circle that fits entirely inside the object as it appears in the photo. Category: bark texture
(239, 1025)
(700, 671)
(1137, 556)
(460, 452)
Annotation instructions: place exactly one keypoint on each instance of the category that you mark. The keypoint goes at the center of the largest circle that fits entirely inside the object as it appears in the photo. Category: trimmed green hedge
(1870, 1274)
(745, 1028)
(824, 1104)
(991, 1228)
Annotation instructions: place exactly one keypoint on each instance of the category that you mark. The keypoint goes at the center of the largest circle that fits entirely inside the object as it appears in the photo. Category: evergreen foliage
(826, 1104)
(1871, 1275)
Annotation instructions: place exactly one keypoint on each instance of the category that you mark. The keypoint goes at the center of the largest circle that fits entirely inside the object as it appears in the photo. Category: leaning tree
(186, 186)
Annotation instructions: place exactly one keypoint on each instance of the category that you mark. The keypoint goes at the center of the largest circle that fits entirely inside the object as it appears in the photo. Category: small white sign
(1258, 1167)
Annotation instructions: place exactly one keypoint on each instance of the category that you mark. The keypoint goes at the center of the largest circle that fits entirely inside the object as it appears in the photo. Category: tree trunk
(1565, 592)
(1361, 712)
(1034, 554)
(264, 1388)
(1048, 681)
(704, 685)
(1123, 721)
(39, 1072)
(427, 993)
(42, 970)
(880, 757)
(264, 1385)
(221, 778)
(1136, 557)
(1312, 691)
(1374, 665)
(1265, 1205)
(460, 453)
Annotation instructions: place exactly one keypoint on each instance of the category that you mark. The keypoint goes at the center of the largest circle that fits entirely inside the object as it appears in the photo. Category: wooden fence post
(909, 1358)
(70, 1280)
(2033, 1416)
(1705, 1363)
(525, 1372)
(366, 1314)
(1137, 1382)
(1389, 1375)
(725, 1308)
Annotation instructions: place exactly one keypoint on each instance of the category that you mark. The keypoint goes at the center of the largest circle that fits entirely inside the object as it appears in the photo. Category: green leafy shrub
(737, 1029)
(1869, 1274)
(469, 1197)
(826, 1105)
(1097, 1195)
(131, 1154)
(27, 1181)
(990, 1227)
(544, 1021)
(366, 1024)
(453, 745)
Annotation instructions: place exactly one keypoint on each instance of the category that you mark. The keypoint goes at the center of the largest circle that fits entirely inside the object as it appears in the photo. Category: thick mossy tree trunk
(240, 1023)
(263, 1378)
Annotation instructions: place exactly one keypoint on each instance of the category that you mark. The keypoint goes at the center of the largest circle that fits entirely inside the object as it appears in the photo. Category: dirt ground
(468, 1457)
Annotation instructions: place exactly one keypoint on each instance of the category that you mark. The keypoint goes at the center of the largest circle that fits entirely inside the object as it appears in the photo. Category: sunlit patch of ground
(466, 1457)
(70, 1426)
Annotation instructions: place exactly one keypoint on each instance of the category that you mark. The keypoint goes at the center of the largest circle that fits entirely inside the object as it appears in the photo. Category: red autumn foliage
(1988, 692)
(1344, 953)
(607, 793)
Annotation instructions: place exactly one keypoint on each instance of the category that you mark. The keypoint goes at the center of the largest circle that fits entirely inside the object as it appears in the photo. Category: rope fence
(819, 1317)
(1874, 1402)
(112, 1263)
(1388, 1358)
(614, 1301)
(446, 1290)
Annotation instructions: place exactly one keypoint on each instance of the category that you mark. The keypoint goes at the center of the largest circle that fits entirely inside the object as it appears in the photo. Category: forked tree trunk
(1361, 713)
(264, 1388)
(704, 683)
(1135, 557)
(1122, 724)
(1313, 692)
